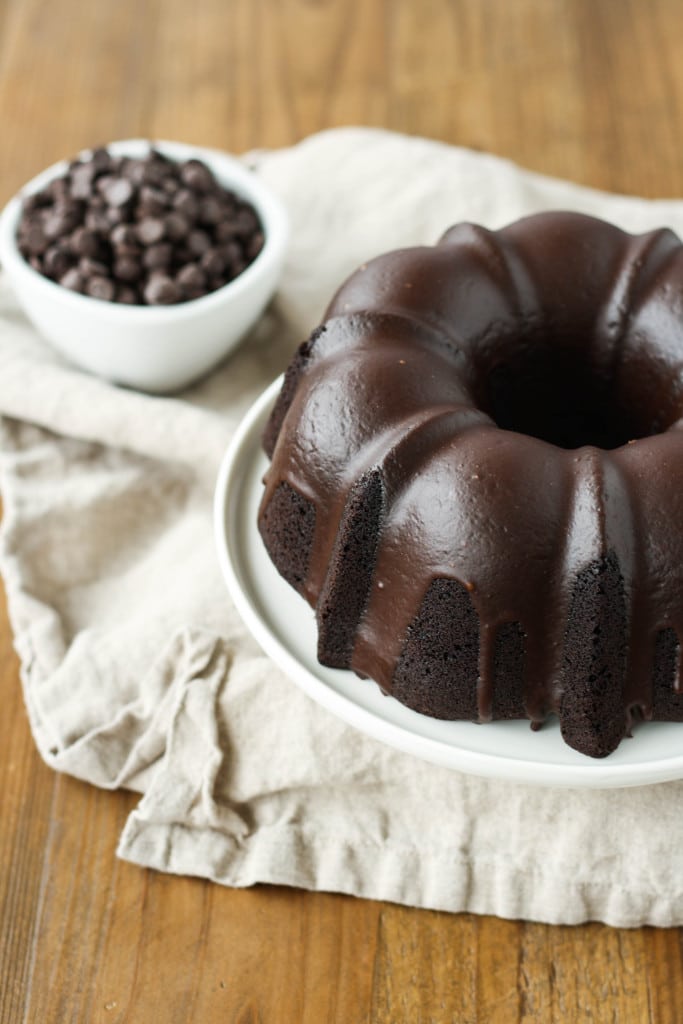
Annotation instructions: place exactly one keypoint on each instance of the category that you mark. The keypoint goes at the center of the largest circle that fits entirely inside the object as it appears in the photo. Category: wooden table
(588, 89)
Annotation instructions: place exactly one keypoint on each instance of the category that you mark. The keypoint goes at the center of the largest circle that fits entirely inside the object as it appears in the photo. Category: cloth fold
(138, 672)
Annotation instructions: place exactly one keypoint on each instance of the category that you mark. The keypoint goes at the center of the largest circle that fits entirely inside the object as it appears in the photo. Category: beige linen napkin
(137, 671)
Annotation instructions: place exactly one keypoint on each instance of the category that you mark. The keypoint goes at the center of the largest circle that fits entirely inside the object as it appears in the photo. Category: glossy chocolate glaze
(506, 406)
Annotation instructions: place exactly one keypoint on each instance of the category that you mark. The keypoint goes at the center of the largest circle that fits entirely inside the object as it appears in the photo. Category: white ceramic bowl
(153, 348)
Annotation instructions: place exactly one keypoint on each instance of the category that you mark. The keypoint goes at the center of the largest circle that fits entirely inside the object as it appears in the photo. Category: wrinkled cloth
(138, 672)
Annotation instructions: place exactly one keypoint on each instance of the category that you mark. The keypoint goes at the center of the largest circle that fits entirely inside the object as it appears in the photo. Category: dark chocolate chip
(126, 294)
(97, 220)
(151, 230)
(236, 269)
(34, 241)
(186, 202)
(211, 210)
(254, 246)
(127, 269)
(100, 159)
(246, 222)
(58, 189)
(152, 201)
(138, 230)
(213, 262)
(56, 262)
(123, 234)
(72, 280)
(177, 226)
(35, 201)
(118, 192)
(160, 290)
(116, 215)
(191, 276)
(197, 176)
(88, 267)
(158, 256)
(56, 224)
(198, 241)
(226, 231)
(84, 242)
(154, 172)
(82, 178)
(100, 288)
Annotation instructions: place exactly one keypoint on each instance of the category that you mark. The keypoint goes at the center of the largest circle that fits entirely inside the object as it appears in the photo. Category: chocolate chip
(191, 276)
(58, 189)
(226, 231)
(197, 176)
(198, 241)
(56, 224)
(34, 241)
(96, 220)
(127, 268)
(151, 230)
(231, 253)
(100, 159)
(84, 242)
(82, 178)
(177, 226)
(154, 171)
(211, 210)
(72, 280)
(213, 262)
(118, 192)
(134, 170)
(186, 202)
(129, 296)
(161, 291)
(152, 202)
(254, 246)
(116, 215)
(56, 262)
(236, 268)
(246, 222)
(138, 230)
(158, 256)
(123, 234)
(100, 288)
(89, 267)
(133, 252)
(103, 183)
(35, 201)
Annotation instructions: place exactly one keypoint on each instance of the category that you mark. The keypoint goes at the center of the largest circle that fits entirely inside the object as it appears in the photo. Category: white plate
(284, 626)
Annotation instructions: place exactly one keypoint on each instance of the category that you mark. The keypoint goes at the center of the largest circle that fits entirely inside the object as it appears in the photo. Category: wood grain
(587, 89)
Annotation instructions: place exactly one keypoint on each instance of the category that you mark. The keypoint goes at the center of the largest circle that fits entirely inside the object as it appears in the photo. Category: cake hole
(554, 394)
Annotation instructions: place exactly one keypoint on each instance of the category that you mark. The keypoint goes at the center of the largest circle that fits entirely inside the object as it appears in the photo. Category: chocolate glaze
(477, 476)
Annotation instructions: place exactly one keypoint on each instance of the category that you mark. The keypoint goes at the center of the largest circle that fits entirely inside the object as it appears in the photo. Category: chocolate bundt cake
(477, 476)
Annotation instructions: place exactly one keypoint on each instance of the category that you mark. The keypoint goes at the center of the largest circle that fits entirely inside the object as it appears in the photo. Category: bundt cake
(476, 476)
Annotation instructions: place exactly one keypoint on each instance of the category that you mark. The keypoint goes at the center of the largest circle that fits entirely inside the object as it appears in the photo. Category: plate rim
(595, 774)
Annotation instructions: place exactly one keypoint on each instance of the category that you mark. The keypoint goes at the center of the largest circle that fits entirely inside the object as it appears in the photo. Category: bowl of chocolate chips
(144, 263)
